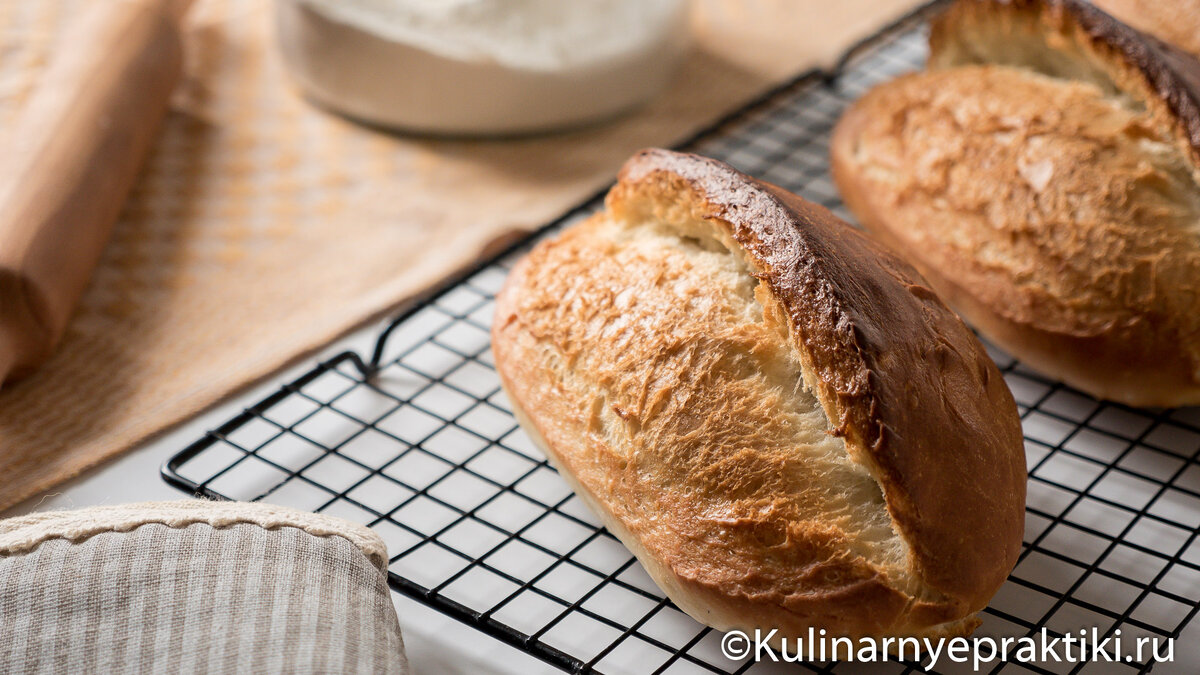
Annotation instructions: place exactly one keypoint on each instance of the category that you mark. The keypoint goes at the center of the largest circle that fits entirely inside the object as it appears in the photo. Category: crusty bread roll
(777, 416)
(1042, 174)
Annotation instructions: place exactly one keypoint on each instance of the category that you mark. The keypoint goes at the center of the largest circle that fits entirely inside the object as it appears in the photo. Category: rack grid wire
(419, 444)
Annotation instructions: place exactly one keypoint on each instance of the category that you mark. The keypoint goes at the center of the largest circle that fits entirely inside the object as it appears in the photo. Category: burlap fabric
(263, 228)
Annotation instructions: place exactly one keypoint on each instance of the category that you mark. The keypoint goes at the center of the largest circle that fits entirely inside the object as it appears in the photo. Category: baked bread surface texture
(1042, 175)
(777, 416)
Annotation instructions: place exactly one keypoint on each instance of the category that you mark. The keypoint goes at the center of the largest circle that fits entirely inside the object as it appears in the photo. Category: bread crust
(1162, 76)
(1059, 219)
(904, 384)
(1177, 23)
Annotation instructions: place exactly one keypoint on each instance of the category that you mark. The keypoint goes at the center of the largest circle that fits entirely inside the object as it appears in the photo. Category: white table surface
(436, 644)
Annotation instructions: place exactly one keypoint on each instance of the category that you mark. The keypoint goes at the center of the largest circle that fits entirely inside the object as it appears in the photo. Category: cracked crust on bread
(1042, 174)
(775, 414)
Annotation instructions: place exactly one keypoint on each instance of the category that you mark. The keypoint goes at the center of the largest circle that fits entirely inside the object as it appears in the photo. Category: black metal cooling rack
(418, 442)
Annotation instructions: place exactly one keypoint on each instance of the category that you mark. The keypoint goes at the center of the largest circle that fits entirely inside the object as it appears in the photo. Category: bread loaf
(1042, 174)
(777, 416)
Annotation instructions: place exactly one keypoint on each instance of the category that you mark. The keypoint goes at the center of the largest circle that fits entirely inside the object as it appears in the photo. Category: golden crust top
(1073, 39)
(669, 352)
(894, 367)
(1036, 176)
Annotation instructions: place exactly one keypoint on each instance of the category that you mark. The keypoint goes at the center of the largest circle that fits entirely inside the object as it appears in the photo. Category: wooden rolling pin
(69, 162)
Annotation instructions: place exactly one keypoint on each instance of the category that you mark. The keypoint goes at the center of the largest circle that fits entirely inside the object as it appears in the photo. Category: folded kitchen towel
(194, 586)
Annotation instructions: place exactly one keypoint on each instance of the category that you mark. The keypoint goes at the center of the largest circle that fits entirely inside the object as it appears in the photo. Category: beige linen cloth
(263, 228)
(196, 587)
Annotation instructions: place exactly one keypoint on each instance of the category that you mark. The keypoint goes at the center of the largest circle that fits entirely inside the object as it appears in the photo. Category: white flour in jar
(482, 66)
(534, 34)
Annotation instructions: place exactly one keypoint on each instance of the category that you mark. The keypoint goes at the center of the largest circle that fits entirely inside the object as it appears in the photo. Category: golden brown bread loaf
(775, 414)
(1042, 174)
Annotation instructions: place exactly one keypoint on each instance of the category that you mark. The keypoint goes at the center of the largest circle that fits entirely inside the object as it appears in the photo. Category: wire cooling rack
(425, 451)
